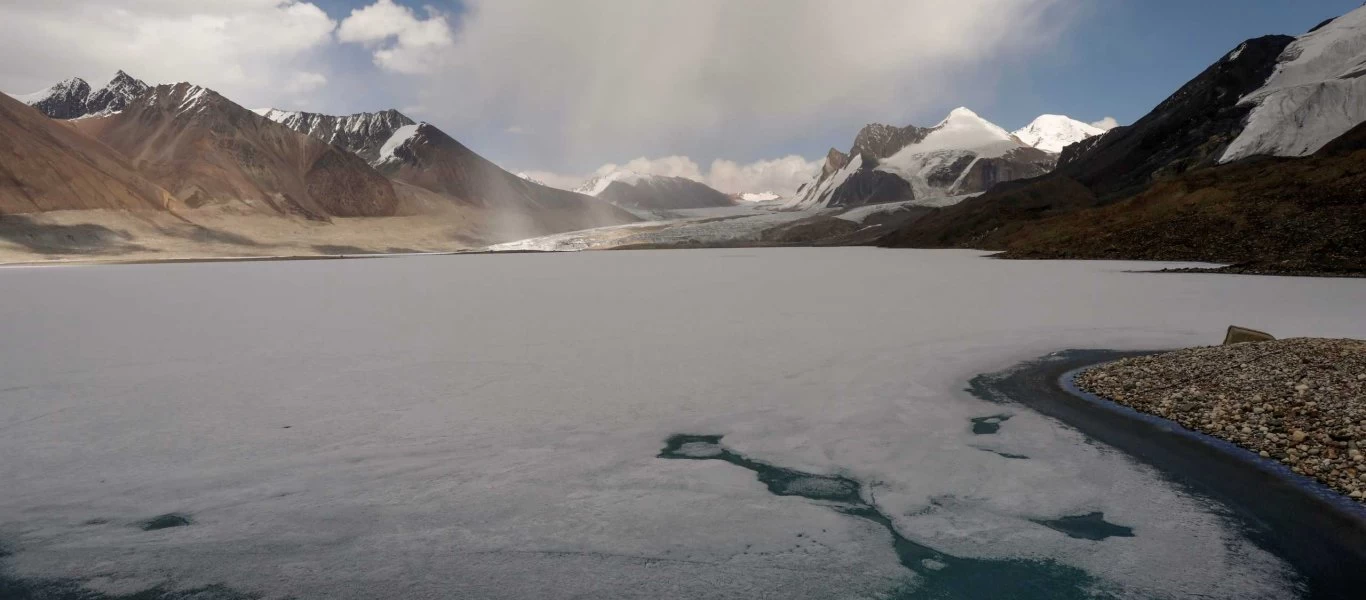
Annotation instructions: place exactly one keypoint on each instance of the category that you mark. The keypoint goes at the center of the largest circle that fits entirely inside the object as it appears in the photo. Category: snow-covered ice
(488, 426)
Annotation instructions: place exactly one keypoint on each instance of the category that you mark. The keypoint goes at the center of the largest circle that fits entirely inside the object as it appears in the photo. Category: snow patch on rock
(400, 136)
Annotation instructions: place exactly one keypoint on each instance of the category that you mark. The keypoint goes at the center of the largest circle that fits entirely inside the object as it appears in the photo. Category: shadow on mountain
(48, 238)
(208, 235)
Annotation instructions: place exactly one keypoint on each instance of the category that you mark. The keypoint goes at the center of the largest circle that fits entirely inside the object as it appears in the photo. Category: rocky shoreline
(1299, 401)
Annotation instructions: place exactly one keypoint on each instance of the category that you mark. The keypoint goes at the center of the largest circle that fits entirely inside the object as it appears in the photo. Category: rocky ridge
(73, 98)
(362, 134)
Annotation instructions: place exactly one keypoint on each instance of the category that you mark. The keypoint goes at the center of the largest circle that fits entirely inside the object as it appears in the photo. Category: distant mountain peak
(115, 95)
(72, 98)
(1052, 133)
(963, 154)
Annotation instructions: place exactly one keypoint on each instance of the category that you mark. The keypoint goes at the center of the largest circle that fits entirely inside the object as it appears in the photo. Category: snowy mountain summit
(1052, 133)
(963, 154)
(73, 98)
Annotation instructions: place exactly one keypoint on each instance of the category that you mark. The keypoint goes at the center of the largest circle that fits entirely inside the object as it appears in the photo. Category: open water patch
(940, 576)
(165, 521)
(988, 425)
(1090, 526)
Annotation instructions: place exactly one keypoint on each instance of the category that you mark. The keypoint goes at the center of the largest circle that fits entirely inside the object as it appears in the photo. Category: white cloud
(555, 180)
(400, 40)
(668, 166)
(1107, 123)
(718, 77)
(781, 175)
(250, 50)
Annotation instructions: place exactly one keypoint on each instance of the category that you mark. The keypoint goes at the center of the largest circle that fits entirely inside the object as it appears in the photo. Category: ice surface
(488, 426)
(1316, 94)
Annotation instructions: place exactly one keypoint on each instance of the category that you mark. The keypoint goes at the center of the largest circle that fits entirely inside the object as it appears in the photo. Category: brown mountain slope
(432, 160)
(48, 166)
(1276, 214)
(209, 151)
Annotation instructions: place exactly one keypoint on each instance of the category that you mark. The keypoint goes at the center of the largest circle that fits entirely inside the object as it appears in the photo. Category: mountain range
(72, 98)
(1212, 173)
(963, 154)
(194, 156)
(1256, 161)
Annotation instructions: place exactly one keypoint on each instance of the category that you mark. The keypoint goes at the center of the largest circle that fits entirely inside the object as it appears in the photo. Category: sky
(744, 95)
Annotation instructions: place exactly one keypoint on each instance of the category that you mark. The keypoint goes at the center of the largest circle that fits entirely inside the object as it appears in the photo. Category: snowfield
(489, 426)
(1316, 94)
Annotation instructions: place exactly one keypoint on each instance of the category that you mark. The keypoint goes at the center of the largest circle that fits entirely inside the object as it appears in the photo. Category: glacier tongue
(1316, 94)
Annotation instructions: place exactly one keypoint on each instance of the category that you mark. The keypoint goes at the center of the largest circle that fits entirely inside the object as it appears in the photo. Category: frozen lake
(508, 426)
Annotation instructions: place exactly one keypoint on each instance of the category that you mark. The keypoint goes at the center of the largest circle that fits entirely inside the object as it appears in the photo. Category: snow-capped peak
(72, 98)
(1316, 94)
(115, 95)
(64, 100)
(1052, 133)
(962, 130)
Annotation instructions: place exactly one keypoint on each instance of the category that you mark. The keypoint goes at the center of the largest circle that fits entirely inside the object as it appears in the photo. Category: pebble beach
(1300, 401)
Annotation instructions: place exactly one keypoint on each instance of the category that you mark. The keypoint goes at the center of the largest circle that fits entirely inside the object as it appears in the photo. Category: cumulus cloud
(400, 40)
(1107, 123)
(250, 50)
(718, 77)
(781, 175)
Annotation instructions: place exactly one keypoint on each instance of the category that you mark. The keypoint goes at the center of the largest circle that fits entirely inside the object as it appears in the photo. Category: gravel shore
(1300, 401)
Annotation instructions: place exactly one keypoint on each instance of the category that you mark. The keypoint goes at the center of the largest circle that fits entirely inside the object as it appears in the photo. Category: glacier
(1316, 94)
